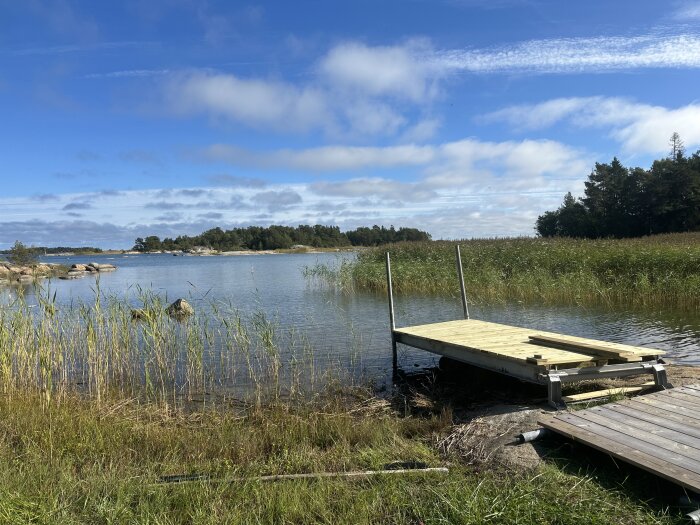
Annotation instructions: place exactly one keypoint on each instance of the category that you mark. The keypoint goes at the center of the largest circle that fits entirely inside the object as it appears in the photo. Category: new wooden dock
(657, 432)
(536, 356)
(531, 355)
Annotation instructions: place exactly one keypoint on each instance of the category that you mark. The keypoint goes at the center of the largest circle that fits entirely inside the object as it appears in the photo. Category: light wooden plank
(677, 455)
(607, 392)
(590, 348)
(594, 344)
(635, 457)
(514, 351)
(475, 333)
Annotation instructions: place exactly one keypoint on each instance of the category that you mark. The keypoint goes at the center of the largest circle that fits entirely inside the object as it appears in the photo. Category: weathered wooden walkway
(657, 432)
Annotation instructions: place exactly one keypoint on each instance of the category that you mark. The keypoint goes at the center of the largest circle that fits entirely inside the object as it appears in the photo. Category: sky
(464, 118)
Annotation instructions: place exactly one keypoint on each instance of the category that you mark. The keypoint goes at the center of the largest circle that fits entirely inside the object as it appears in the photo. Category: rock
(95, 267)
(138, 314)
(74, 274)
(180, 309)
(80, 267)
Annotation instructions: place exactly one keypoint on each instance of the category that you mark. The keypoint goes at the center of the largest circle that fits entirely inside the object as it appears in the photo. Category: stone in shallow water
(180, 309)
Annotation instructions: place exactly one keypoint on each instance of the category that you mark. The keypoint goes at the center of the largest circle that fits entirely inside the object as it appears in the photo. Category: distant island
(274, 237)
(58, 250)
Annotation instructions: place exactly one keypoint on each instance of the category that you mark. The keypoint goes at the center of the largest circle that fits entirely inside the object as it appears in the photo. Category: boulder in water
(180, 309)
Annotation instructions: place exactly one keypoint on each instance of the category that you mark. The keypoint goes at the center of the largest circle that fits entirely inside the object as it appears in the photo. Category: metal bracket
(554, 391)
(660, 377)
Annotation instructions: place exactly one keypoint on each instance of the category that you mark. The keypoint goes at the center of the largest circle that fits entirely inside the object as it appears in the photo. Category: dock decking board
(654, 432)
(468, 337)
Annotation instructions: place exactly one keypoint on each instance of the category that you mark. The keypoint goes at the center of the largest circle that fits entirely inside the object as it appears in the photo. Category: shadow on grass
(579, 460)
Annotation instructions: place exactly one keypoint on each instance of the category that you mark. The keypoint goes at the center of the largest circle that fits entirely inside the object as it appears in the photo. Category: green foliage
(21, 255)
(657, 270)
(631, 202)
(282, 237)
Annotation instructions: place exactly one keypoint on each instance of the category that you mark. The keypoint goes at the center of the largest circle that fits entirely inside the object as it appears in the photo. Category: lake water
(338, 324)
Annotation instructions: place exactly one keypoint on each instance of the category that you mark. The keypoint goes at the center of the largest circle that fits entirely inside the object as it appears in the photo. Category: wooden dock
(536, 356)
(657, 432)
(532, 355)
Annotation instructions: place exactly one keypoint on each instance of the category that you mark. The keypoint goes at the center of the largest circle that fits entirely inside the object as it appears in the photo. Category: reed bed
(101, 349)
(656, 271)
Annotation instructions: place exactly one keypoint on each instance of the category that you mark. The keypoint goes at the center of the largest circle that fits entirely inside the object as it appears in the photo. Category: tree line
(281, 237)
(47, 250)
(630, 202)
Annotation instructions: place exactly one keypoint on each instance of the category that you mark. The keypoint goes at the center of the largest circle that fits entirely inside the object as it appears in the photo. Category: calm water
(337, 324)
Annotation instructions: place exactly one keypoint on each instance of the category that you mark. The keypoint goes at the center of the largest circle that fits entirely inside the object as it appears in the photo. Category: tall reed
(661, 270)
(103, 349)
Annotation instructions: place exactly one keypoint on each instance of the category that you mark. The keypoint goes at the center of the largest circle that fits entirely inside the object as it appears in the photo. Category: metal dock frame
(553, 379)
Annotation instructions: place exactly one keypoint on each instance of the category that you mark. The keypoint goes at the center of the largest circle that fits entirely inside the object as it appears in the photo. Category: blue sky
(465, 118)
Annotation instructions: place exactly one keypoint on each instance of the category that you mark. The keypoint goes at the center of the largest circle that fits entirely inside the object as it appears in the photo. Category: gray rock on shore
(81, 270)
(11, 272)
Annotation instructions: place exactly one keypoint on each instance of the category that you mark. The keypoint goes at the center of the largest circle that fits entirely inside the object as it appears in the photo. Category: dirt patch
(490, 410)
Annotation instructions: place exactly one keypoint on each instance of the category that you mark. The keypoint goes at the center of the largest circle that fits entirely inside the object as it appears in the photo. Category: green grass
(662, 270)
(79, 461)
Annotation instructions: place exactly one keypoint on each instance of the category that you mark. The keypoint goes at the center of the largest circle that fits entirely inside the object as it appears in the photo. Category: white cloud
(468, 165)
(688, 11)
(454, 189)
(421, 131)
(325, 158)
(640, 128)
(360, 91)
(578, 55)
(256, 102)
(400, 71)
(386, 189)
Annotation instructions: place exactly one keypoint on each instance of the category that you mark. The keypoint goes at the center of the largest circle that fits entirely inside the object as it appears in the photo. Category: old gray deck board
(658, 432)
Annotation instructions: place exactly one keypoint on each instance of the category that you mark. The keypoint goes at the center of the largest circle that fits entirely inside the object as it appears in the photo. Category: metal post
(465, 306)
(390, 291)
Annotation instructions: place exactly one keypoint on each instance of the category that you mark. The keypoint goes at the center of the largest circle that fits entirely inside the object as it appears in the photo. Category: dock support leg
(660, 377)
(392, 323)
(460, 274)
(554, 392)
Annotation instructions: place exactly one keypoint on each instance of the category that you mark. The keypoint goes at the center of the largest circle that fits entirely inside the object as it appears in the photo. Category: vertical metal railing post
(390, 291)
(465, 305)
